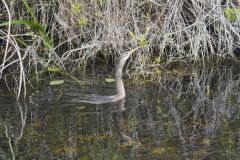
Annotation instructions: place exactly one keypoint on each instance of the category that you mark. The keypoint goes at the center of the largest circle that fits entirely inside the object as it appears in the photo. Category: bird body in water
(101, 99)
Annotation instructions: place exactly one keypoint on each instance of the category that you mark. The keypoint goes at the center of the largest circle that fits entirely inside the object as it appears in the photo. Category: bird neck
(119, 68)
(120, 88)
(119, 82)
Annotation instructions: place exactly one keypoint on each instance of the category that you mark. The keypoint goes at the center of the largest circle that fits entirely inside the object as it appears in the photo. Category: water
(188, 114)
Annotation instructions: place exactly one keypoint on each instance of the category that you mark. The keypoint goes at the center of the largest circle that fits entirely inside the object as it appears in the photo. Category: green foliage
(29, 10)
(98, 14)
(32, 25)
(133, 35)
(40, 29)
(143, 42)
(82, 21)
(56, 82)
(141, 39)
(109, 80)
(157, 60)
(77, 8)
(231, 13)
(158, 71)
(102, 2)
(53, 69)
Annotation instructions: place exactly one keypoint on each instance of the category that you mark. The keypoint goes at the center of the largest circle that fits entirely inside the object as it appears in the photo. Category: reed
(68, 34)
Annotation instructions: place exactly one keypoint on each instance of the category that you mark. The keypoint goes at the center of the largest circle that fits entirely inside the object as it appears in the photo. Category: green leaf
(56, 82)
(30, 33)
(81, 107)
(29, 10)
(34, 25)
(53, 69)
(109, 80)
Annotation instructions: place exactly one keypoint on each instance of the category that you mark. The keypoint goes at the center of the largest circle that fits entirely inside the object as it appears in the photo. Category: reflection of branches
(23, 115)
(119, 123)
(208, 93)
(185, 109)
(14, 132)
(187, 106)
(9, 142)
(207, 87)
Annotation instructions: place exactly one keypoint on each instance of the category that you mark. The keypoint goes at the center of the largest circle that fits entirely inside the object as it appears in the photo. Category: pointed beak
(133, 50)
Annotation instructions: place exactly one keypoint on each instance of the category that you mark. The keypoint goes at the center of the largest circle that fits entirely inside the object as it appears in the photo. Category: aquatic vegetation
(56, 82)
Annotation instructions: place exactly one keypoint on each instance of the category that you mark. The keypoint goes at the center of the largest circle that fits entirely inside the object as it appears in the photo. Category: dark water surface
(188, 114)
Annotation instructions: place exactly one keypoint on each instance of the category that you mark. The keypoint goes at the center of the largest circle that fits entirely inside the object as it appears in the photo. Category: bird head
(124, 56)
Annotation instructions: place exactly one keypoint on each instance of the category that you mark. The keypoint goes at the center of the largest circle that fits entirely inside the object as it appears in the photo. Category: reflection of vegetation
(194, 103)
(176, 119)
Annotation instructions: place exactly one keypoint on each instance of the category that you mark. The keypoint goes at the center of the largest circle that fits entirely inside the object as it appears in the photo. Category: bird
(78, 97)
(101, 99)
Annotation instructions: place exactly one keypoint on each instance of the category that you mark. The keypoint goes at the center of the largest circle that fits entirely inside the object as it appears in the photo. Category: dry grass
(166, 31)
